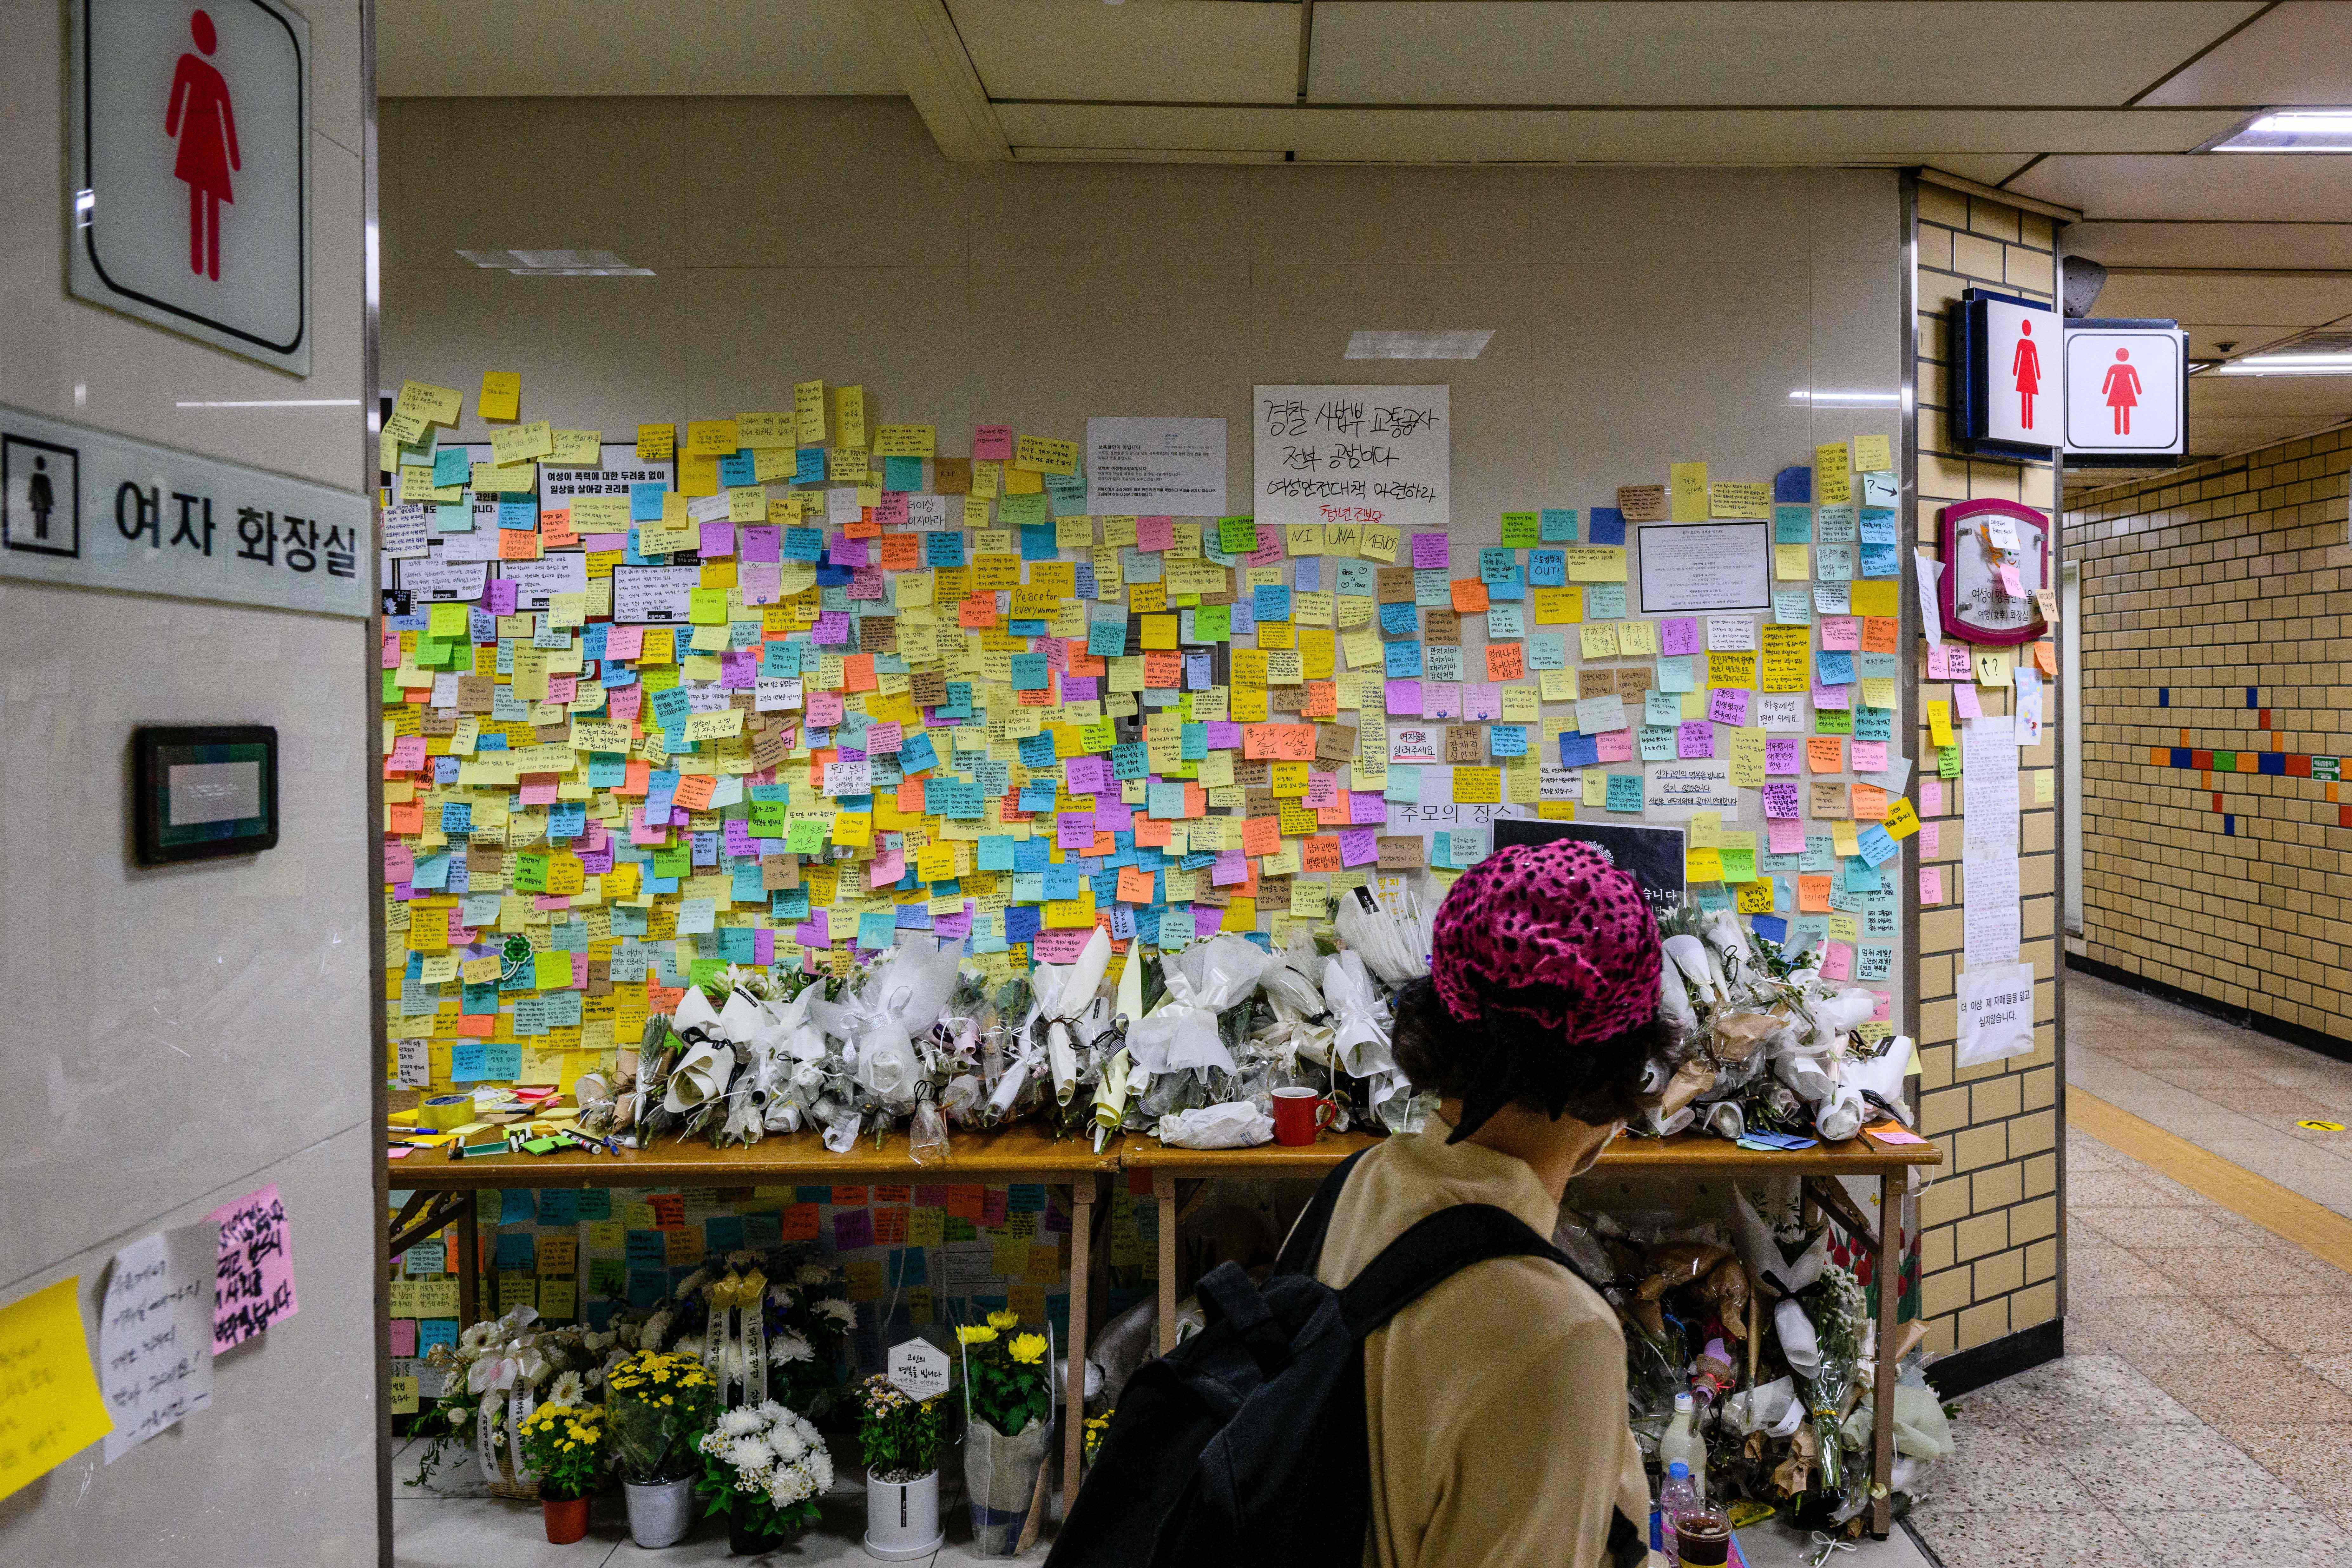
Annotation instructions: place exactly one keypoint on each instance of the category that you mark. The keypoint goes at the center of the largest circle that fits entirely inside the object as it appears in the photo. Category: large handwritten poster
(1375, 457)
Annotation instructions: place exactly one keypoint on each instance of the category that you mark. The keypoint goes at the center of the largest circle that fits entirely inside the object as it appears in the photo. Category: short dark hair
(1509, 1059)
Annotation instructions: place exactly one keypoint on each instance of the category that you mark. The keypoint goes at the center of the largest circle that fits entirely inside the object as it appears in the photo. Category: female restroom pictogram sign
(201, 118)
(2025, 364)
(2122, 390)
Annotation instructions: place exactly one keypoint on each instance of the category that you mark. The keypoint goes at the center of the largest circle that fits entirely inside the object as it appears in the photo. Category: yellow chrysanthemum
(1029, 1349)
(975, 1334)
(1004, 1322)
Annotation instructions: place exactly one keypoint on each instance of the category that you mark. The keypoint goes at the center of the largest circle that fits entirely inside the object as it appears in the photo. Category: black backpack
(1246, 1443)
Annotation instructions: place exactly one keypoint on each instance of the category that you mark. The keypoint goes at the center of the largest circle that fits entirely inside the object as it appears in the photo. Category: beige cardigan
(1495, 1402)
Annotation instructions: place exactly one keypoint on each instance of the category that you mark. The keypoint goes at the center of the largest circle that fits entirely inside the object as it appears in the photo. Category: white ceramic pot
(660, 1514)
(902, 1518)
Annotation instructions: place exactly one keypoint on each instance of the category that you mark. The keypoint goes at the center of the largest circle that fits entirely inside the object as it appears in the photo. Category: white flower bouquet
(763, 1468)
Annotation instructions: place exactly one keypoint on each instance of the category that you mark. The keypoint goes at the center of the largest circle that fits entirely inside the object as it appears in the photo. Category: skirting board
(1964, 1372)
(2302, 1035)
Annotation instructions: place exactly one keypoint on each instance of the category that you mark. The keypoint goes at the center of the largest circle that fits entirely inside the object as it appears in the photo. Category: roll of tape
(445, 1112)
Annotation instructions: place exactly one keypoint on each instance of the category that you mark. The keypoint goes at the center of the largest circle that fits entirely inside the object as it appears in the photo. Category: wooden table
(1687, 1152)
(441, 1191)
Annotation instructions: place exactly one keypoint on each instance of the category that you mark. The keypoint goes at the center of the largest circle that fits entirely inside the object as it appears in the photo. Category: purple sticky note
(1694, 738)
(1223, 734)
(1679, 636)
(763, 947)
(717, 538)
(1075, 830)
(853, 1228)
(762, 543)
(1231, 867)
(1359, 846)
(502, 596)
(1429, 553)
(1368, 806)
(1404, 697)
(1728, 705)
(1206, 919)
(1829, 696)
(1781, 800)
(1783, 755)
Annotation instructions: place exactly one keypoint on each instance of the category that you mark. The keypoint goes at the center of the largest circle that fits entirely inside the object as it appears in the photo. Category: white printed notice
(1676, 791)
(654, 595)
(1375, 457)
(1988, 851)
(1171, 467)
(155, 1333)
(1996, 1013)
(1706, 566)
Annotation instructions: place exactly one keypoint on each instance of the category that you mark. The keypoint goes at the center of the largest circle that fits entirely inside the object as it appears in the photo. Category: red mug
(1300, 1113)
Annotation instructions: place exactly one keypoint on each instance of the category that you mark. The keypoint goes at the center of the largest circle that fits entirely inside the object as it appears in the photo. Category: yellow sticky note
(522, 443)
(710, 438)
(808, 410)
(1833, 482)
(657, 443)
(1873, 454)
(1792, 563)
(1901, 818)
(49, 1405)
(849, 414)
(1939, 724)
(433, 405)
(501, 395)
(1689, 492)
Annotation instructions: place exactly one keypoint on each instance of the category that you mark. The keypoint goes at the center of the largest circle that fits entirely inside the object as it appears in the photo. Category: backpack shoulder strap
(1304, 1248)
(1430, 1252)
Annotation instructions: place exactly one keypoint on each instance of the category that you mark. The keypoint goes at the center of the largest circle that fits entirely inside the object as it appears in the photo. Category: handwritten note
(154, 1333)
(253, 1282)
(49, 1405)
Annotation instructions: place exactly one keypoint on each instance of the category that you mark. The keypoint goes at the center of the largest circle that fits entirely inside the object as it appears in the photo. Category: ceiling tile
(2306, 299)
(2256, 187)
(2152, 242)
(1144, 51)
(582, 48)
(2299, 53)
(1773, 52)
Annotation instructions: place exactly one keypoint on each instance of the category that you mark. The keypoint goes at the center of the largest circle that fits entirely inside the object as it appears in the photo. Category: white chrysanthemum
(820, 1465)
(839, 1311)
(752, 1456)
(740, 1423)
(771, 1412)
(814, 1274)
(787, 1444)
(477, 1338)
(789, 1346)
(790, 1485)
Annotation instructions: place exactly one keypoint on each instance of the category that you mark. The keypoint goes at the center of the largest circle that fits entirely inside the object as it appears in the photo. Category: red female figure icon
(2025, 364)
(2122, 390)
(200, 116)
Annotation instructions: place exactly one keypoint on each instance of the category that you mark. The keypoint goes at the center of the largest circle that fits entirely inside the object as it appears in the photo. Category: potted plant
(763, 1468)
(1007, 1404)
(490, 1380)
(660, 1405)
(565, 1445)
(901, 1438)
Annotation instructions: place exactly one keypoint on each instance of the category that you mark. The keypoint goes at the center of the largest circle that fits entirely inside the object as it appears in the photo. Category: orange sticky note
(1319, 854)
(1260, 834)
(1469, 596)
(1812, 895)
(1826, 753)
(694, 791)
(1504, 660)
(1134, 886)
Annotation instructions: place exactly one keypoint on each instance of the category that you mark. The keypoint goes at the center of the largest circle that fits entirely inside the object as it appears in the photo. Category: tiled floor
(2229, 1090)
(2202, 1417)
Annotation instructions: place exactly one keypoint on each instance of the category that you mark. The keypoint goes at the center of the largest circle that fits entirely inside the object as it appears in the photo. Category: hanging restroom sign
(2012, 393)
(189, 173)
(2127, 393)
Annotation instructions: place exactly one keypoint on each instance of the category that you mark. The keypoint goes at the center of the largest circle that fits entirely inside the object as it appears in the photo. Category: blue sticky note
(739, 470)
(1029, 672)
(916, 755)
(645, 503)
(1062, 880)
(516, 1207)
(1547, 568)
(502, 1060)
(1794, 484)
(1270, 601)
(1497, 564)
(1507, 740)
(1106, 639)
(1038, 542)
(1398, 620)
(808, 466)
(1402, 660)
(1625, 792)
(518, 511)
(1036, 751)
(1558, 525)
(875, 930)
(1022, 921)
(451, 466)
(560, 1205)
(1833, 666)
(1037, 794)
(902, 473)
(1579, 751)
(1608, 526)
(1164, 801)
(996, 852)
(943, 549)
(1793, 525)
(466, 1061)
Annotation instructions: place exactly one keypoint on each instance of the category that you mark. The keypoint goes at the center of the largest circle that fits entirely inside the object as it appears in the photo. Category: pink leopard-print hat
(1552, 932)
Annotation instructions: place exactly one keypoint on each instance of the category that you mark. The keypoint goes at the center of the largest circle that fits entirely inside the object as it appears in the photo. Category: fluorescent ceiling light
(556, 263)
(2291, 130)
(277, 403)
(1820, 399)
(1461, 344)
(2288, 363)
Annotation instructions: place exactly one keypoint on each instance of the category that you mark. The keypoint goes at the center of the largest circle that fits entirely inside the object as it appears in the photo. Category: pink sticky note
(1616, 745)
(624, 643)
(253, 1285)
(1931, 884)
(1783, 756)
(1728, 705)
(717, 538)
(887, 867)
(1781, 803)
(760, 543)
(1322, 789)
(1869, 756)
(1931, 838)
(407, 755)
(2009, 584)
(892, 510)
(399, 862)
(991, 443)
(1676, 637)
(403, 1341)
(1404, 698)
(1430, 552)
(1837, 962)
(1931, 797)
(1964, 703)
(1154, 533)
(623, 701)
(1063, 946)
(1787, 834)
(502, 596)
(1841, 632)
(1694, 738)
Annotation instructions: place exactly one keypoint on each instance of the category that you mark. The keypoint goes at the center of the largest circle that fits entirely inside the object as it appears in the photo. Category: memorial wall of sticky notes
(788, 687)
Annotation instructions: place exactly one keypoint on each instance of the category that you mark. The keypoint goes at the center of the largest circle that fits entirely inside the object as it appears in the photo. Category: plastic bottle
(1682, 1442)
(1676, 1498)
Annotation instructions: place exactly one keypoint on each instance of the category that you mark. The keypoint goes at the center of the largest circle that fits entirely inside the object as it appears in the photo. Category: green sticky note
(1212, 623)
(1522, 529)
(447, 620)
(805, 838)
(1948, 762)
(530, 873)
(1625, 792)
(1738, 865)
(1237, 535)
(707, 606)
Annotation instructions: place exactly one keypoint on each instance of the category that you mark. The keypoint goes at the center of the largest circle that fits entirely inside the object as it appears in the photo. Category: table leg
(470, 1265)
(1881, 1389)
(1073, 1434)
(1163, 1190)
